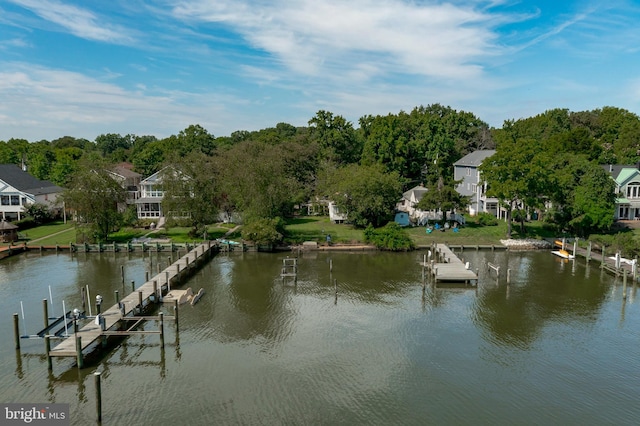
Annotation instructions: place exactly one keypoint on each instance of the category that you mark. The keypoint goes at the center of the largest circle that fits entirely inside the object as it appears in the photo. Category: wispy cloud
(312, 37)
(79, 22)
(38, 100)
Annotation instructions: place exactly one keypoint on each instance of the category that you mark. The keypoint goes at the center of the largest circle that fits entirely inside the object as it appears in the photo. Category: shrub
(486, 219)
(390, 237)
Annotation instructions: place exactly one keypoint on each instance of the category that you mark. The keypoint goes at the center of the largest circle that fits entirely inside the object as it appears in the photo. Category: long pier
(447, 267)
(90, 335)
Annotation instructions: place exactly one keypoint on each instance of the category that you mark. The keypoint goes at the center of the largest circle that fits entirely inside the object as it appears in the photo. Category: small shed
(402, 218)
(8, 232)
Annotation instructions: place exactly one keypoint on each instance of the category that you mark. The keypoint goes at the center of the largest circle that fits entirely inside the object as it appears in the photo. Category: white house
(149, 202)
(18, 190)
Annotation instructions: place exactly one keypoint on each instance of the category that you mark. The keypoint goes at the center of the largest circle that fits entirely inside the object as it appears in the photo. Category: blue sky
(153, 67)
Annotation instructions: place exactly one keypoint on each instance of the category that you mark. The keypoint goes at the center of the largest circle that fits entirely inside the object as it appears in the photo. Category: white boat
(563, 254)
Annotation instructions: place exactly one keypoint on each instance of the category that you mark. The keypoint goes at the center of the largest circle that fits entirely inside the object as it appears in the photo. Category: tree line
(550, 158)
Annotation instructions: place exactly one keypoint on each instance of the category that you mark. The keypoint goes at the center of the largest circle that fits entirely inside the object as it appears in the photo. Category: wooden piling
(45, 308)
(140, 302)
(96, 375)
(603, 257)
(161, 315)
(122, 273)
(175, 312)
(146, 276)
(16, 329)
(156, 298)
(133, 286)
(47, 348)
(79, 358)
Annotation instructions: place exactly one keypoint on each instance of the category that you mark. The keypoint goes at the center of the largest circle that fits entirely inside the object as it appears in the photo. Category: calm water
(557, 346)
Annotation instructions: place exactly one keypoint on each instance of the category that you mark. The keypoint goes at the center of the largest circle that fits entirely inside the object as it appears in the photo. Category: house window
(4, 200)
(15, 200)
(468, 171)
(633, 190)
(474, 188)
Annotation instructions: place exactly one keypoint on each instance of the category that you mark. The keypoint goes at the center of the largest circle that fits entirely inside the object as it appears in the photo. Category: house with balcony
(128, 179)
(627, 179)
(18, 190)
(466, 170)
(149, 201)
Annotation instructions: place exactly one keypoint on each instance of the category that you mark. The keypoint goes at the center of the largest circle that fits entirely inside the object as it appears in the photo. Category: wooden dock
(445, 266)
(115, 317)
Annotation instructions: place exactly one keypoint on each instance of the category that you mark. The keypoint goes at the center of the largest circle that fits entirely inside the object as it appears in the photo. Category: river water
(558, 345)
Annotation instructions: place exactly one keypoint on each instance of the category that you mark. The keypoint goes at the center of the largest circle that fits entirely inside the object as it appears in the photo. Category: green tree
(191, 189)
(367, 193)
(95, 197)
(444, 198)
(516, 175)
(264, 231)
(336, 136)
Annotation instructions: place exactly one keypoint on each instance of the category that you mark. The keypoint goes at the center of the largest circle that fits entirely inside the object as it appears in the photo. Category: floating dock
(447, 267)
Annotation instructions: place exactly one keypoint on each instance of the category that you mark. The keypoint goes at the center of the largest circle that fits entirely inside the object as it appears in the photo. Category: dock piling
(47, 348)
(79, 358)
(96, 375)
(175, 312)
(16, 329)
(161, 315)
(45, 308)
(133, 286)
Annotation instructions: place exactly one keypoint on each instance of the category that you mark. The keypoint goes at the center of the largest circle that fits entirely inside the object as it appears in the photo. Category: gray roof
(23, 181)
(615, 169)
(475, 158)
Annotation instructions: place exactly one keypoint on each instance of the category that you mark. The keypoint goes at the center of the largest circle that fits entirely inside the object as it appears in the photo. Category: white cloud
(312, 36)
(47, 103)
(79, 22)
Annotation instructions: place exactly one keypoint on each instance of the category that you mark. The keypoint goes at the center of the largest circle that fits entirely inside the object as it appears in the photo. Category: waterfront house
(627, 179)
(18, 190)
(466, 170)
(128, 179)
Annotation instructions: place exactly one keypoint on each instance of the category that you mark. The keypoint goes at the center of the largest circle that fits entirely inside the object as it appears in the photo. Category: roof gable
(475, 158)
(23, 181)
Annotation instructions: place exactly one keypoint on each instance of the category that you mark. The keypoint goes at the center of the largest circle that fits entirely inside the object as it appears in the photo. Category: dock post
(45, 307)
(146, 276)
(624, 285)
(330, 265)
(508, 276)
(117, 297)
(175, 311)
(79, 358)
(133, 286)
(575, 247)
(47, 348)
(140, 302)
(98, 397)
(122, 273)
(16, 329)
(166, 274)
(178, 268)
(161, 316)
(155, 291)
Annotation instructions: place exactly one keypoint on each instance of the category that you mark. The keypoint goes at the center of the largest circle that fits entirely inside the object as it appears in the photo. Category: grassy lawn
(316, 228)
(298, 230)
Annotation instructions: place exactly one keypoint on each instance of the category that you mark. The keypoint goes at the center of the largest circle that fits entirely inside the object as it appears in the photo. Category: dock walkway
(447, 267)
(132, 304)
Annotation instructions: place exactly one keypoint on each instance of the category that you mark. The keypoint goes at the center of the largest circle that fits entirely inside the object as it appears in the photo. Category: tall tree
(336, 136)
(95, 197)
(191, 189)
(444, 198)
(367, 193)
